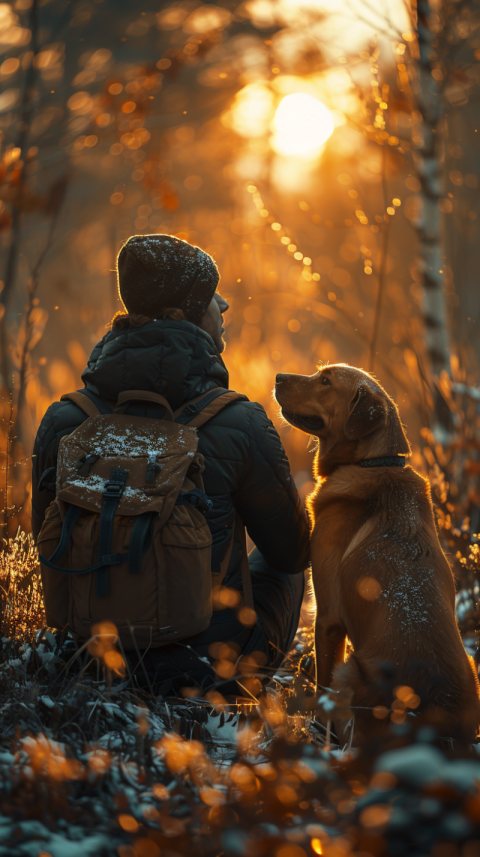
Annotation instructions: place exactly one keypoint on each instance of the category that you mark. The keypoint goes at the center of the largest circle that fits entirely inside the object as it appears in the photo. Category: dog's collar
(383, 461)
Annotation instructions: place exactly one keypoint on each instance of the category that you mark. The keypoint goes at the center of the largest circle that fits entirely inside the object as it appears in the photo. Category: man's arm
(268, 502)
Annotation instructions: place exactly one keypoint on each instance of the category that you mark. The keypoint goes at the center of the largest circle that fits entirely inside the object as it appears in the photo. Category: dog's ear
(367, 413)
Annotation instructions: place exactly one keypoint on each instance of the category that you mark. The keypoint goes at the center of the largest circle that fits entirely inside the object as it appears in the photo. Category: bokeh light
(252, 110)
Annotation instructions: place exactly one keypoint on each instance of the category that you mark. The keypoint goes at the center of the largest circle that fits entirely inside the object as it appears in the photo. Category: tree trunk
(427, 158)
(23, 126)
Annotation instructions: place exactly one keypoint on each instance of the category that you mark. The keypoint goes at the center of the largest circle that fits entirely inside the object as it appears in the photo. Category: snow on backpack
(126, 539)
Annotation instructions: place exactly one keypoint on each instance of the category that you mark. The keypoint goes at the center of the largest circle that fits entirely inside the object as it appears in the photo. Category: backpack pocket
(183, 553)
(55, 584)
(132, 598)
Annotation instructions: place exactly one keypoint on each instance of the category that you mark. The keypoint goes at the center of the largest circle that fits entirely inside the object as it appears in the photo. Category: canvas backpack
(126, 539)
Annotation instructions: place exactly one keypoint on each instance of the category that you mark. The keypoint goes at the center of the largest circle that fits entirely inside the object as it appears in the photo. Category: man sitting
(169, 341)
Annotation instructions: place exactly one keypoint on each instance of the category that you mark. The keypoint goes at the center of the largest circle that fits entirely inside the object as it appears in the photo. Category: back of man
(246, 470)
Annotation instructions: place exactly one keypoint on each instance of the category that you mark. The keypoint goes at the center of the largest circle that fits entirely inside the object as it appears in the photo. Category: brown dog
(379, 573)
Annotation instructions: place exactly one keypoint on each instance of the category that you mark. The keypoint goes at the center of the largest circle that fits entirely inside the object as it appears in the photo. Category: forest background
(324, 153)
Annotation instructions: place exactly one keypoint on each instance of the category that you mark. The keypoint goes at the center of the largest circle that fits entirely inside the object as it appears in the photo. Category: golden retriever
(379, 573)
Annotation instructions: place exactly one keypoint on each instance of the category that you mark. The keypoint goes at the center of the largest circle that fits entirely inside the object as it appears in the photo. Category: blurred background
(325, 152)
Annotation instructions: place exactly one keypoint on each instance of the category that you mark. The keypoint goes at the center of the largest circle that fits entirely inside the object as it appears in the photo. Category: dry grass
(21, 597)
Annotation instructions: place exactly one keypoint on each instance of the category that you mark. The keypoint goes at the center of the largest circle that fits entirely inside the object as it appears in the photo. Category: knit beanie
(156, 272)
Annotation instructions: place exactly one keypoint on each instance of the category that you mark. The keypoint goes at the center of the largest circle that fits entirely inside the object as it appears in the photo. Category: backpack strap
(196, 412)
(111, 497)
(214, 407)
(140, 539)
(200, 410)
(84, 403)
(90, 404)
(142, 396)
(189, 410)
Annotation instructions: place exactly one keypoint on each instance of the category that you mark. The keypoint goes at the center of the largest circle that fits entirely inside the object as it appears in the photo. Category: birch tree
(435, 74)
(427, 151)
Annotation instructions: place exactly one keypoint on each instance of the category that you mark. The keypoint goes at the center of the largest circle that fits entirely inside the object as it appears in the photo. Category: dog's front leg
(330, 639)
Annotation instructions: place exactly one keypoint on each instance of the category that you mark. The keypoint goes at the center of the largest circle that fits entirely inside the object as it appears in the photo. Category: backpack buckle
(203, 504)
(48, 479)
(85, 464)
(197, 498)
(153, 469)
(115, 485)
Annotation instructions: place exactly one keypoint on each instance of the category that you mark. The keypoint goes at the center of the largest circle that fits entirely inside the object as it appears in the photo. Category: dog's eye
(326, 381)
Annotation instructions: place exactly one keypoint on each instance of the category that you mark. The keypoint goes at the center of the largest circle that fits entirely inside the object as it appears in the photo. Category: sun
(302, 124)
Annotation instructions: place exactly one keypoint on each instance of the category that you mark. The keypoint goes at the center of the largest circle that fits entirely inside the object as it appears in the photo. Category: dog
(380, 576)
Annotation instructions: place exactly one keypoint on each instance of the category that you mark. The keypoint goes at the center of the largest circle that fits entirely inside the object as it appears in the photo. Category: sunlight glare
(302, 125)
(252, 110)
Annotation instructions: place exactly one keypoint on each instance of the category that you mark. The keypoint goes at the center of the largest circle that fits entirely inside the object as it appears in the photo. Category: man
(169, 341)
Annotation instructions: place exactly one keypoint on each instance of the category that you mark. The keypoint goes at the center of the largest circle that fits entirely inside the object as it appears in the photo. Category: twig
(382, 269)
(6, 508)
(33, 286)
(327, 738)
(140, 659)
(247, 691)
(394, 33)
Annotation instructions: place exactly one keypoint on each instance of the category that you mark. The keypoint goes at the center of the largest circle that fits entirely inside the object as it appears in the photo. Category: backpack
(126, 539)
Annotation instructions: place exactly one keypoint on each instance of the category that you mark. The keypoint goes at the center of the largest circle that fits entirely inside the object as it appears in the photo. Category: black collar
(383, 461)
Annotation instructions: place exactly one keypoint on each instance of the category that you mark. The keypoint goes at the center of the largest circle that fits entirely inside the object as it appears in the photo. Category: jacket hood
(174, 358)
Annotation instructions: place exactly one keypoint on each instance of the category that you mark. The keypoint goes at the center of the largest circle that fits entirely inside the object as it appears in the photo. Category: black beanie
(156, 272)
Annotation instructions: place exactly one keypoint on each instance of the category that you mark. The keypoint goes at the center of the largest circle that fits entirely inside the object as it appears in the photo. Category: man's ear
(367, 413)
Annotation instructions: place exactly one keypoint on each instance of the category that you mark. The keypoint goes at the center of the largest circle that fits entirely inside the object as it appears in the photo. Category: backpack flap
(155, 455)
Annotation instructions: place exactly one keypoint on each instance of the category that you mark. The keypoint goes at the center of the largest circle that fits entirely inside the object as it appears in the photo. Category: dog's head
(350, 413)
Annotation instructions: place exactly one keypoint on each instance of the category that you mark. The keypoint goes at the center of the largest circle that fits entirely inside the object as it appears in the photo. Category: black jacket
(246, 467)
